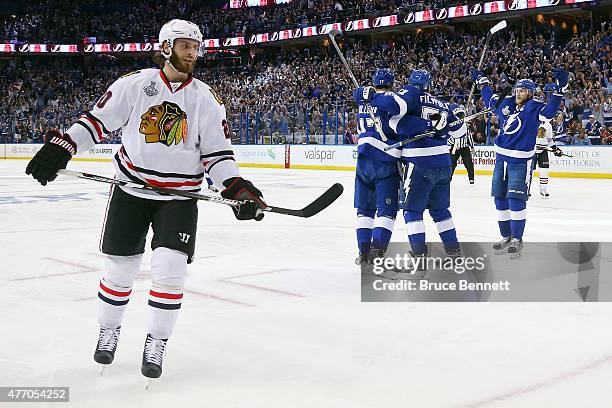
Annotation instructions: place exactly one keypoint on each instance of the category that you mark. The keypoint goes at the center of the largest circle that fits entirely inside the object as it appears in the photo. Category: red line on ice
(230, 280)
(87, 269)
(542, 384)
(211, 296)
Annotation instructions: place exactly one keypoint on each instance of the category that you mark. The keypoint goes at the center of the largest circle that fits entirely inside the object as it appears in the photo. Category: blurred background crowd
(301, 93)
(138, 21)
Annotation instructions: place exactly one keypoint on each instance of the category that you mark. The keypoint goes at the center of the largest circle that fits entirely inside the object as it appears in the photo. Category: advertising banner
(323, 157)
(586, 161)
(260, 155)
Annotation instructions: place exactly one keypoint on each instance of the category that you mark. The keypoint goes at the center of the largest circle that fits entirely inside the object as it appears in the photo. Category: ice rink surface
(272, 314)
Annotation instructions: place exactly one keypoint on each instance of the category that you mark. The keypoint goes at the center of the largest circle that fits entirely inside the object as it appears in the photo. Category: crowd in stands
(63, 21)
(314, 80)
(306, 90)
(39, 94)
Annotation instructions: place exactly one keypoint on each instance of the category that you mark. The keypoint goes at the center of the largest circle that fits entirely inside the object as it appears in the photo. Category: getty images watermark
(405, 272)
(546, 272)
(408, 262)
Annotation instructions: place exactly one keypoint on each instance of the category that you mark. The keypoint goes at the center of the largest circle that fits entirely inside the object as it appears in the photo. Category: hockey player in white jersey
(544, 144)
(174, 130)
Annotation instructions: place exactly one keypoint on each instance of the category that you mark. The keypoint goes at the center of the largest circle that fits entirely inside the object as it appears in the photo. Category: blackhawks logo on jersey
(165, 123)
(541, 132)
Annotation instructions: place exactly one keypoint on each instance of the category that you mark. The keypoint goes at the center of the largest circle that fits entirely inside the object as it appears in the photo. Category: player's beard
(181, 66)
(521, 101)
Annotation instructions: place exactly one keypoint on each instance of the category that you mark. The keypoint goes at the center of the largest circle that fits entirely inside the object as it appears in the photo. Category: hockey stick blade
(499, 26)
(315, 207)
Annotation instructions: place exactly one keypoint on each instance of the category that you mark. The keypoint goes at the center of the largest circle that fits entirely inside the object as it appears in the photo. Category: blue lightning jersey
(519, 125)
(409, 110)
(370, 144)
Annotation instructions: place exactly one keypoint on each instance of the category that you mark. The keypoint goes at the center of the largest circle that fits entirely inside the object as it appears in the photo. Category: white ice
(272, 314)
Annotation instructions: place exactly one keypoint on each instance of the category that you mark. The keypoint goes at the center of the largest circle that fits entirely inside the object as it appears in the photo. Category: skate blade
(500, 251)
(148, 383)
(516, 255)
(391, 275)
(103, 367)
(384, 275)
(408, 275)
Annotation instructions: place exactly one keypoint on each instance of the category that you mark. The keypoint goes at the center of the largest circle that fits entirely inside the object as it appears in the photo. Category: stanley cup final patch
(150, 89)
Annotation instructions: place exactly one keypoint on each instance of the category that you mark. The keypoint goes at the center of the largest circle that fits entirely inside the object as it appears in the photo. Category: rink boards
(587, 161)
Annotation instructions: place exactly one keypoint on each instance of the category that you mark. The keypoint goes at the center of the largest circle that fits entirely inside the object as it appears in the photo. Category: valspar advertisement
(323, 157)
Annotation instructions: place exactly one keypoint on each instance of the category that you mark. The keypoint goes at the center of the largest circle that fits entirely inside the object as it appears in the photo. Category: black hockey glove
(556, 151)
(237, 188)
(54, 155)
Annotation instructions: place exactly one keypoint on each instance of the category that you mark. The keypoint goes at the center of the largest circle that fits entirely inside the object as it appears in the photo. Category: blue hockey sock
(416, 231)
(518, 217)
(446, 228)
(383, 228)
(503, 216)
(365, 223)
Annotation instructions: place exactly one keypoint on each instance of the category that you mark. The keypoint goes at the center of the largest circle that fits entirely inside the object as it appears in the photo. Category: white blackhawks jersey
(169, 137)
(545, 138)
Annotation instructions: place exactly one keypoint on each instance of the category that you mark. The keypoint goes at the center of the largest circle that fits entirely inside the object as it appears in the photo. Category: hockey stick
(315, 207)
(497, 27)
(505, 92)
(332, 37)
(562, 154)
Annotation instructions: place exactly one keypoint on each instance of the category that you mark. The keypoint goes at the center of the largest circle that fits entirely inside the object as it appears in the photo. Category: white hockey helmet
(177, 28)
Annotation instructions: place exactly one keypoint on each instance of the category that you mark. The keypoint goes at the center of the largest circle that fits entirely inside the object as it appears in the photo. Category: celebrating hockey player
(174, 130)
(520, 118)
(461, 143)
(427, 160)
(377, 178)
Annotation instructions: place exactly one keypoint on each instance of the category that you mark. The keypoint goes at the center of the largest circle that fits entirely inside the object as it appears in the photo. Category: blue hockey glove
(479, 78)
(476, 74)
(561, 77)
(364, 94)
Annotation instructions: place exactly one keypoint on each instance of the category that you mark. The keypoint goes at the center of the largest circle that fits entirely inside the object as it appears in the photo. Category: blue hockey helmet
(527, 84)
(383, 77)
(419, 78)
